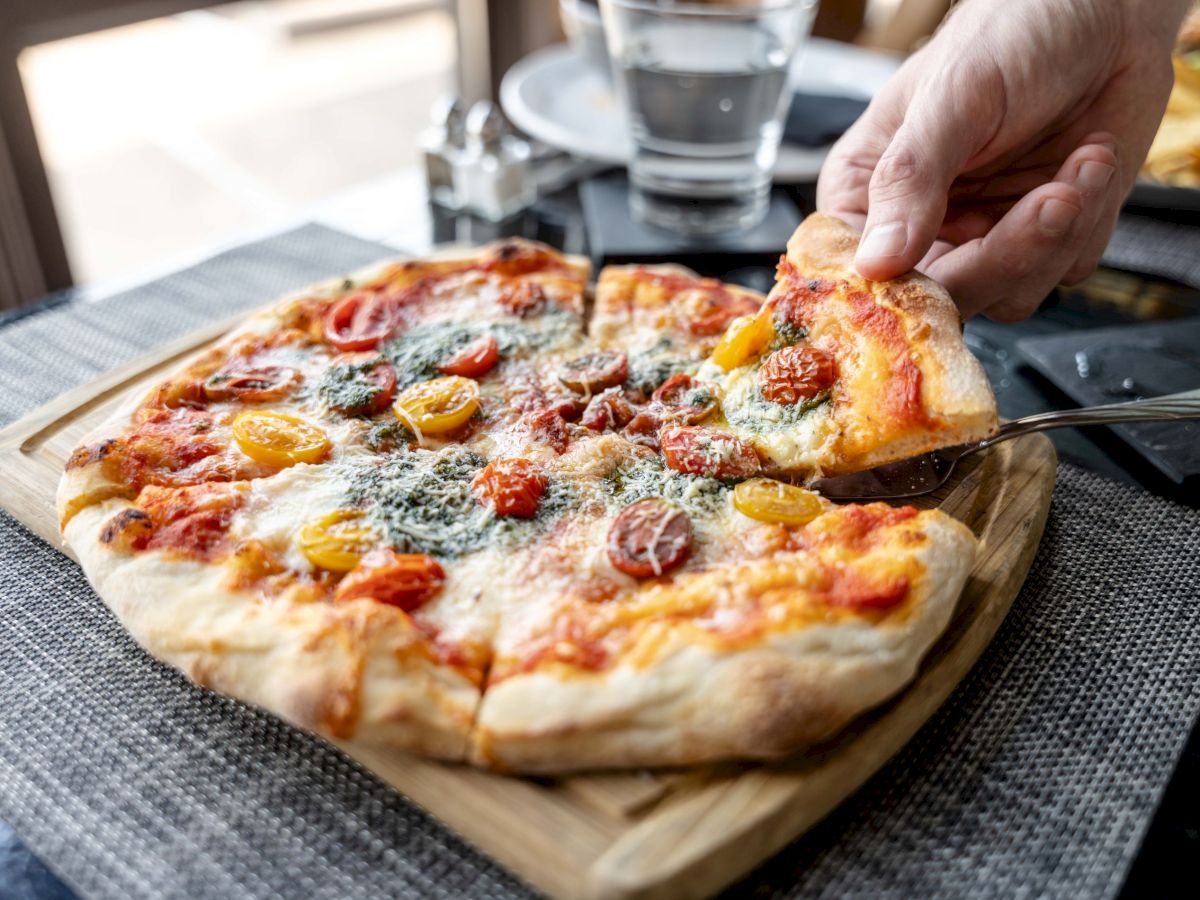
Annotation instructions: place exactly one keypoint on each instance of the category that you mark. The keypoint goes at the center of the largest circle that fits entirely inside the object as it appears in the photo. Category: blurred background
(135, 133)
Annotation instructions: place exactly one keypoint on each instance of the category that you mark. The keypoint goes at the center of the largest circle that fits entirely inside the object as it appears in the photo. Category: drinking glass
(704, 86)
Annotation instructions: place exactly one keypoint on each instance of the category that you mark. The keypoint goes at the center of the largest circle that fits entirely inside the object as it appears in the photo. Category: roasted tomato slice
(438, 405)
(472, 360)
(405, 580)
(512, 487)
(524, 299)
(338, 540)
(709, 307)
(361, 320)
(702, 451)
(643, 429)
(548, 427)
(278, 439)
(253, 385)
(649, 537)
(594, 372)
(359, 384)
(796, 373)
(767, 500)
(683, 399)
(607, 410)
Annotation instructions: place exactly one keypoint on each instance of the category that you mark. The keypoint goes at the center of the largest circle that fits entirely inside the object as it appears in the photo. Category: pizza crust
(356, 671)
(701, 704)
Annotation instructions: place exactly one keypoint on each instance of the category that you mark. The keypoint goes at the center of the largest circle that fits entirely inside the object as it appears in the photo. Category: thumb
(907, 195)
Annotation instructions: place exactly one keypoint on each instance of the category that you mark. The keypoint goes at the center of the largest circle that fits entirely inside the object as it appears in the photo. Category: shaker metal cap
(449, 115)
(486, 124)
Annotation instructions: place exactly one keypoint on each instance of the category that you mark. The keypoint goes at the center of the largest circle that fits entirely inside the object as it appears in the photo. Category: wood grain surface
(684, 833)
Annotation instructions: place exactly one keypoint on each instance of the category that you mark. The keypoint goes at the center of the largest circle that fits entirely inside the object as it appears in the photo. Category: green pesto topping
(416, 354)
(650, 369)
(349, 388)
(787, 333)
(424, 502)
(757, 414)
(649, 476)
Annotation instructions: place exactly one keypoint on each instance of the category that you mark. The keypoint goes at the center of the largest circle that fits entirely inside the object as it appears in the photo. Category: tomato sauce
(713, 307)
(853, 590)
(569, 643)
(192, 521)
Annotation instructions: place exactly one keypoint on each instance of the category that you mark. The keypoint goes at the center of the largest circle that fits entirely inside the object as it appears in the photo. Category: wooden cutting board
(684, 833)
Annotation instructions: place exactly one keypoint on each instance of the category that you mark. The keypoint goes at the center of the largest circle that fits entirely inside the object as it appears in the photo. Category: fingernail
(1055, 217)
(1093, 177)
(883, 241)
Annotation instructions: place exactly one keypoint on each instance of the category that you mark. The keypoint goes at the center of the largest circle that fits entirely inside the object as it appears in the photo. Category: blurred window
(174, 134)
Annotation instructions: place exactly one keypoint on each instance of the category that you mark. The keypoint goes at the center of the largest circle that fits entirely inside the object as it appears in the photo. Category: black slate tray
(1113, 365)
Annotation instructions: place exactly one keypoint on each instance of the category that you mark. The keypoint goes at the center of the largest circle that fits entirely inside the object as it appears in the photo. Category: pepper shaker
(494, 178)
(442, 144)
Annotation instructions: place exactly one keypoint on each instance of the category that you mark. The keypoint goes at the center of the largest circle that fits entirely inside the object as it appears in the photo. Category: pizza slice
(292, 517)
(836, 373)
(675, 619)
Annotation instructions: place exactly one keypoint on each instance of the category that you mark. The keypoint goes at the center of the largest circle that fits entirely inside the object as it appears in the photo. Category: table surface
(392, 210)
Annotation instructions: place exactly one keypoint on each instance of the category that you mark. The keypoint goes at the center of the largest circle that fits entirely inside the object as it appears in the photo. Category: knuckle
(1080, 271)
(1009, 311)
(1016, 263)
(901, 171)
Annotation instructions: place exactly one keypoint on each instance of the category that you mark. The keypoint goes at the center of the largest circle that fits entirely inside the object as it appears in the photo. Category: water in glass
(706, 100)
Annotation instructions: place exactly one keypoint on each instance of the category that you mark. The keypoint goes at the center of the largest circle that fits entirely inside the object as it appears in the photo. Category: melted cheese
(790, 438)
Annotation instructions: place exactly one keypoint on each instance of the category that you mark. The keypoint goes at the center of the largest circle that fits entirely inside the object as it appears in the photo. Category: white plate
(557, 97)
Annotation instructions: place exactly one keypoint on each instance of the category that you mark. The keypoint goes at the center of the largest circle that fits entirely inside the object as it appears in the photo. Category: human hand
(998, 157)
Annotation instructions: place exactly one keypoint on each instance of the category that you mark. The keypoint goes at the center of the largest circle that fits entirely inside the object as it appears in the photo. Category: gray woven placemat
(1150, 246)
(1039, 777)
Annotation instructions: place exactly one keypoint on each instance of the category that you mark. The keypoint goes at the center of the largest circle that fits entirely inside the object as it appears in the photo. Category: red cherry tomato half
(473, 360)
(254, 385)
(405, 580)
(372, 379)
(796, 373)
(607, 410)
(594, 372)
(702, 451)
(513, 487)
(361, 321)
(683, 399)
(649, 537)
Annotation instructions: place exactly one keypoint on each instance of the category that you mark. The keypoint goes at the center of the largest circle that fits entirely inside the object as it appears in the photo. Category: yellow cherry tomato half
(337, 541)
(438, 405)
(767, 500)
(278, 439)
(745, 338)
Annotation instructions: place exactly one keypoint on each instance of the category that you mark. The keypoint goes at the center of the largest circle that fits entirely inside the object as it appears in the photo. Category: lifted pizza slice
(836, 373)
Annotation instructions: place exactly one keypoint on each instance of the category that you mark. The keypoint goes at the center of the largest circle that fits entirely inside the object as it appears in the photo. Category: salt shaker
(442, 143)
(494, 178)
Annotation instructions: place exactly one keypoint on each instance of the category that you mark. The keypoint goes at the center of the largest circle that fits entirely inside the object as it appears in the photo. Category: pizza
(449, 506)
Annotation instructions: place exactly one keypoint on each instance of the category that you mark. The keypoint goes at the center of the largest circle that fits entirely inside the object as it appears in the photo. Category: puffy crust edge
(701, 705)
(352, 672)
